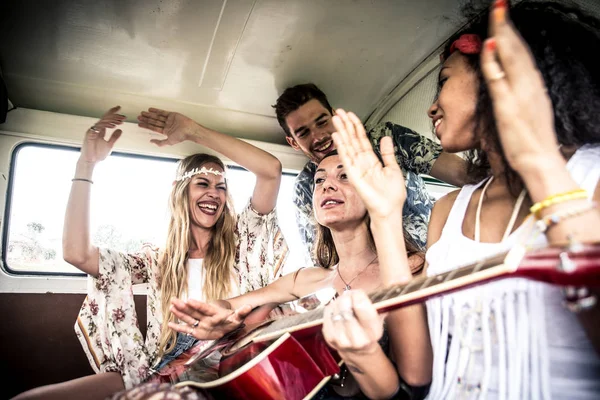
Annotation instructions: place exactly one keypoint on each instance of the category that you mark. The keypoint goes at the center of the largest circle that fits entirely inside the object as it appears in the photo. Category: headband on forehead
(197, 171)
(468, 43)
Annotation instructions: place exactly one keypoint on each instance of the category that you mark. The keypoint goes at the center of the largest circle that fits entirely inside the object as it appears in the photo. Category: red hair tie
(468, 43)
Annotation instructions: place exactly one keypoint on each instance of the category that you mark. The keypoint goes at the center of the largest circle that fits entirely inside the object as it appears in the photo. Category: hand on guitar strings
(351, 324)
(206, 320)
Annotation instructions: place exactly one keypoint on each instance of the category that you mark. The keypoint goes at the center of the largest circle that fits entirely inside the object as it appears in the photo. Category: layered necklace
(347, 284)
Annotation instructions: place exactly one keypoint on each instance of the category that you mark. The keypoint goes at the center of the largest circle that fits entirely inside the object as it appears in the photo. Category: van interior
(221, 62)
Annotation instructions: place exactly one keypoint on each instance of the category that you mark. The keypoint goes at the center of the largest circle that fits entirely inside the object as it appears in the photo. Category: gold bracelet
(543, 224)
(576, 194)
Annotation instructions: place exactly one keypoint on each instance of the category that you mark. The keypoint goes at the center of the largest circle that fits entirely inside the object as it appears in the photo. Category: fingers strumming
(363, 309)
(243, 311)
(206, 308)
(188, 319)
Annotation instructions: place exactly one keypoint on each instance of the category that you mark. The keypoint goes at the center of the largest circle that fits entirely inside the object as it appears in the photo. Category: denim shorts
(184, 342)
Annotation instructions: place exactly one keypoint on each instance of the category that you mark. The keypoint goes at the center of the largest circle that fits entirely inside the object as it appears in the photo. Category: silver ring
(336, 317)
(347, 314)
(196, 323)
(94, 129)
(497, 76)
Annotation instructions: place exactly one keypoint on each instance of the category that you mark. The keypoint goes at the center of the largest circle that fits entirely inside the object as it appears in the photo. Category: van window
(128, 206)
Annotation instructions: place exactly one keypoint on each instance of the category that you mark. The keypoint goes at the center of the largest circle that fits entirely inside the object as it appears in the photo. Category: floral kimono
(107, 324)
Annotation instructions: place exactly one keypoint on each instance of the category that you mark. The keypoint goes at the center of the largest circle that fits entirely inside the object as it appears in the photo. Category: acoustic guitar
(287, 357)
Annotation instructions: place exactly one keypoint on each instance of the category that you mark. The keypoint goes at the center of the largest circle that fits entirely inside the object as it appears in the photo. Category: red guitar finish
(287, 358)
(283, 370)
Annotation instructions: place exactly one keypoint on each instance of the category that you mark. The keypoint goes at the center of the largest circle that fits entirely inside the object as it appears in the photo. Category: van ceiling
(222, 62)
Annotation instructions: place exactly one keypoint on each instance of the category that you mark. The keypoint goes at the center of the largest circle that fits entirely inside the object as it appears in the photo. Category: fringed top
(509, 339)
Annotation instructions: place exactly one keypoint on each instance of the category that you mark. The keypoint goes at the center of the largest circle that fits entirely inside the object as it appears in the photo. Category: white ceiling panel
(223, 62)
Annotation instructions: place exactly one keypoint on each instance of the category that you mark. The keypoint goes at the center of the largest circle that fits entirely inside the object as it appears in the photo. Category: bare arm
(584, 228)
(77, 247)
(407, 326)
(219, 317)
(382, 189)
(266, 167)
(450, 168)
(530, 144)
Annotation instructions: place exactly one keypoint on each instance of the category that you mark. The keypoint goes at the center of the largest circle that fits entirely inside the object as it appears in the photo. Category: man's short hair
(295, 97)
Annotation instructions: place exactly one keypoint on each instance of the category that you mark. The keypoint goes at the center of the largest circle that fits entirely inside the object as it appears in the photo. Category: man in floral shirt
(304, 114)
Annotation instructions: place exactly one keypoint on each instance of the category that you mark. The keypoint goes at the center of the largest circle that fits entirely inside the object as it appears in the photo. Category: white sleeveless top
(510, 339)
(196, 277)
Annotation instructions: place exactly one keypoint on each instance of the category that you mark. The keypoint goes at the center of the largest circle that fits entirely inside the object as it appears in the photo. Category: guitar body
(287, 357)
(286, 368)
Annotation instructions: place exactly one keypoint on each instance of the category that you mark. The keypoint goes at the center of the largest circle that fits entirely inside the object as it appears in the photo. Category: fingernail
(500, 10)
(490, 44)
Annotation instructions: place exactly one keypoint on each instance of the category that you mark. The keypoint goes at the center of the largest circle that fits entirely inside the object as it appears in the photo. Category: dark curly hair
(564, 41)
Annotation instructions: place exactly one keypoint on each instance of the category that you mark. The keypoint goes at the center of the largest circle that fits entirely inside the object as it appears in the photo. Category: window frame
(9, 197)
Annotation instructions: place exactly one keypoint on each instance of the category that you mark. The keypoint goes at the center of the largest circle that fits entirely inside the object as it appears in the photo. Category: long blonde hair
(220, 254)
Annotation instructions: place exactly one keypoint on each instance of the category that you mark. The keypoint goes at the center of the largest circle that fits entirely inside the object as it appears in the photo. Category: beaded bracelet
(549, 221)
(557, 199)
(578, 299)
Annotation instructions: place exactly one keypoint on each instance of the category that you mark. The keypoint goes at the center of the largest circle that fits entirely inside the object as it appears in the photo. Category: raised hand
(95, 148)
(522, 107)
(381, 187)
(176, 127)
(204, 320)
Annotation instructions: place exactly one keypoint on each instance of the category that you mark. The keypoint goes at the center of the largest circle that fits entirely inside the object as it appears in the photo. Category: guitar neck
(416, 291)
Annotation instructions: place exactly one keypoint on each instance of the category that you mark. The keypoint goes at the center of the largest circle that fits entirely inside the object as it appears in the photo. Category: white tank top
(196, 277)
(510, 339)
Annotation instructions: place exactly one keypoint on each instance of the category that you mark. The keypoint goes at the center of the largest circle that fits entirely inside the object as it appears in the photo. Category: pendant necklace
(347, 284)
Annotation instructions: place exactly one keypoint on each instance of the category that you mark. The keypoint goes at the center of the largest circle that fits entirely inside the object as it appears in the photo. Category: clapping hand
(95, 147)
(175, 126)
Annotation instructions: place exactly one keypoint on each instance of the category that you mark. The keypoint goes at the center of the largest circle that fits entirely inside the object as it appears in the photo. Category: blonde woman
(210, 252)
